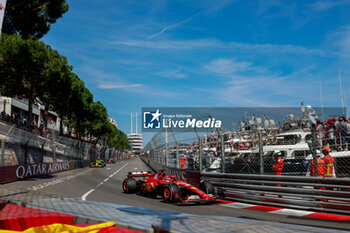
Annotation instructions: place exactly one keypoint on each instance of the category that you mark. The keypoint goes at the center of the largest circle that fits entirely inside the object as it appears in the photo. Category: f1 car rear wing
(140, 174)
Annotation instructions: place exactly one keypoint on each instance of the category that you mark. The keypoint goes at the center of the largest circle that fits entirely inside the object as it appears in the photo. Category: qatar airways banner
(13, 173)
(2, 13)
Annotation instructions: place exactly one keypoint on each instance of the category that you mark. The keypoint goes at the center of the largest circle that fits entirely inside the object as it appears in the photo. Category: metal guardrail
(296, 192)
(306, 193)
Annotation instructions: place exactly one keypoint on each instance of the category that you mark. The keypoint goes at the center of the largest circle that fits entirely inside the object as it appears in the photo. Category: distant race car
(98, 163)
(111, 160)
(171, 189)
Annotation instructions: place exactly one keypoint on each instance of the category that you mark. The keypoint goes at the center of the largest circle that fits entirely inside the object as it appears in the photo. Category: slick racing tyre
(129, 185)
(169, 191)
(207, 187)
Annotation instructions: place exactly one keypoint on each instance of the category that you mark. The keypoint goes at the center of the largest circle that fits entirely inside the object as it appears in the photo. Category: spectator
(319, 133)
(330, 133)
(348, 126)
(7, 117)
(3, 114)
(342, 131)
(32, 126)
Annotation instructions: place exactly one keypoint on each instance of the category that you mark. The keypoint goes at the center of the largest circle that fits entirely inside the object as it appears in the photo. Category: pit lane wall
(193, 177)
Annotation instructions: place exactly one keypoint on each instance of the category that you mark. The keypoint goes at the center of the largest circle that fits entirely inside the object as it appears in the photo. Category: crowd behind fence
(250, 151)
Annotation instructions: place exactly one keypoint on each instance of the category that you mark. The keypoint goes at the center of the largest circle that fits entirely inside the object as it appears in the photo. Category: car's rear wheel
(129, 185)
(207, 187)
(169, 192)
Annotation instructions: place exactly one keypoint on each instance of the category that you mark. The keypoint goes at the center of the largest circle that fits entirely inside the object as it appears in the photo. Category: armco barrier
(307, 193)
(296, 192)
(13, 173)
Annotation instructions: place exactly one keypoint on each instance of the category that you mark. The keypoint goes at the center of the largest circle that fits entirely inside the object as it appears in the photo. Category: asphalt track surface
(105, 185)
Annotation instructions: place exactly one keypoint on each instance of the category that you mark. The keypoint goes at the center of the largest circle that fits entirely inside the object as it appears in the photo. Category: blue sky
(211, 53)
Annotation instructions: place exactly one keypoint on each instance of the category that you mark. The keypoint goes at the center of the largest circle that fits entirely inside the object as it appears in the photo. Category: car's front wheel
(169, 192)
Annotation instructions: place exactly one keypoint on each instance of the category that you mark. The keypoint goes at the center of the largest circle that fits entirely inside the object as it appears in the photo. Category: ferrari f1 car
(170, 188)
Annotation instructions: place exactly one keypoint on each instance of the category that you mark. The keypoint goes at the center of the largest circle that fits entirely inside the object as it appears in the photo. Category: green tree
(97, 120)
(11, 62)
(81, 99)
(55, 95)
(29, 71)
(51, 81)
(117, 139)
(32, 17)
(34, 69)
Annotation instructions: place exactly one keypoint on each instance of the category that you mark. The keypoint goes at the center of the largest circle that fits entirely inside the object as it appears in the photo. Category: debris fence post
(261, 153)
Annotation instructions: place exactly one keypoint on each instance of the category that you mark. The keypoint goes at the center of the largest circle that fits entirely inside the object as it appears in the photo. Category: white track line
(86, 194)
(105, 180)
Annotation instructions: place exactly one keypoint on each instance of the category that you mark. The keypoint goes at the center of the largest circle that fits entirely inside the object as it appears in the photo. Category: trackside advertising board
(13, 173)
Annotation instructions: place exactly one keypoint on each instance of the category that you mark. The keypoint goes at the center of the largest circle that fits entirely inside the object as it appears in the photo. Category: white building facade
(136, 143)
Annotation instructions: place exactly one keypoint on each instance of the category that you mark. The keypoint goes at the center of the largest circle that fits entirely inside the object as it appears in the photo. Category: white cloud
(118, 86)
(264, 91)
(166, 44)
(343, 38)
(249, 85)
(227, 66)
(325, 5)
(265, 5)
(216, 44)
(172, 74)
(339, 41)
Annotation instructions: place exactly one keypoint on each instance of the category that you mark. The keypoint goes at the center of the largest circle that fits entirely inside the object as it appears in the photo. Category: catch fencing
(243, 163)
(251, 152)
(20, 147)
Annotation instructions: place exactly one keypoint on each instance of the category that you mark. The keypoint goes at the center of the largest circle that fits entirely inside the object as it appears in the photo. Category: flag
(2, 13)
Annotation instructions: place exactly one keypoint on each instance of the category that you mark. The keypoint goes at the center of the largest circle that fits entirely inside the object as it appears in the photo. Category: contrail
(173, 26)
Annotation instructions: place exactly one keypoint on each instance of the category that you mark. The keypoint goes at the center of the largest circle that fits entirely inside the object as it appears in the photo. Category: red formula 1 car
(171, 189)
